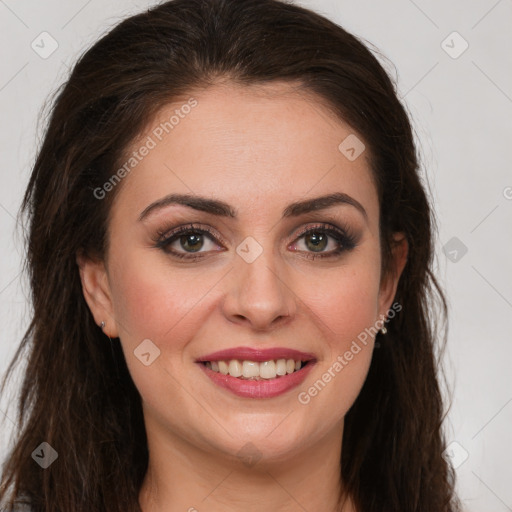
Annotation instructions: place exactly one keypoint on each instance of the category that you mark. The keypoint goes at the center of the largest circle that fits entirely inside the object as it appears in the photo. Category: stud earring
(383, 330)
(102, 326)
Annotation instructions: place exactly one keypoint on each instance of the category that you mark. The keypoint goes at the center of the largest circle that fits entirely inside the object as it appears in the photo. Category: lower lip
(259, 388)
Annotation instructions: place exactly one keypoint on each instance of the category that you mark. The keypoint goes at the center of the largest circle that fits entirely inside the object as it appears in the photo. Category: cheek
(346, 306)
(345, 301)
(151, 300)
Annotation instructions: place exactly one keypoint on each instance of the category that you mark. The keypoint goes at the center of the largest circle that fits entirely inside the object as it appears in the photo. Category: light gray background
(461, 109)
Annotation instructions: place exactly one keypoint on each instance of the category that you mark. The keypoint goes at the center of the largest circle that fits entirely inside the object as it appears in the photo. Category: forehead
(251, 146)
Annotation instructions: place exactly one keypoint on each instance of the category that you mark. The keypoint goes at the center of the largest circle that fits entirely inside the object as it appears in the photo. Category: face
(261, 262)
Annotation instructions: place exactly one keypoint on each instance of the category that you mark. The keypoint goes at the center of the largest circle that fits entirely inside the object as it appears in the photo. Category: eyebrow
(222, 209)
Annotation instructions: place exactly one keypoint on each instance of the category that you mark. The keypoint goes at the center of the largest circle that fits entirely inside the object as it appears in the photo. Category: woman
(230, 257)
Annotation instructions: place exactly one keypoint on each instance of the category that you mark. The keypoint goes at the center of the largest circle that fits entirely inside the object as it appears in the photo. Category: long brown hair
(77, 394)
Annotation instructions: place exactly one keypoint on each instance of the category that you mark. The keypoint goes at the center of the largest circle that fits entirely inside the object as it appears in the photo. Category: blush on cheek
(346, 314)
(138, 311)
(144, 305)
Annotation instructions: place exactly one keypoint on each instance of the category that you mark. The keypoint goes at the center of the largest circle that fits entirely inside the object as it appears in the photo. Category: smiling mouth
(252, 370)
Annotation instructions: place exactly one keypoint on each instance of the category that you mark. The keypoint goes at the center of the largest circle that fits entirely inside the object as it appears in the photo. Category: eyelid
(163, 235)
(345, 238)
(327, 226)
(343, 235)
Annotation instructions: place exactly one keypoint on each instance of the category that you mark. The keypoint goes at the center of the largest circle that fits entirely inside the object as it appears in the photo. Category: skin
(257, 149)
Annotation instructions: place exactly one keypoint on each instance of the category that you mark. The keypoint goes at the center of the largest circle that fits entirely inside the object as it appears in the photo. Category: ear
(389, 282)
(97, 294)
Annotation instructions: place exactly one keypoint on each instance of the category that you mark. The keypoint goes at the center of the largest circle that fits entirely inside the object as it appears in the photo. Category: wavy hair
(76, 393)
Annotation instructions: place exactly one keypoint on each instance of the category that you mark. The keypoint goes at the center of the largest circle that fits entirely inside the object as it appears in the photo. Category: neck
(182, 477)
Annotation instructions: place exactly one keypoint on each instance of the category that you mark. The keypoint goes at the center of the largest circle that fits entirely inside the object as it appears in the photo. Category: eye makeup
(191, 237)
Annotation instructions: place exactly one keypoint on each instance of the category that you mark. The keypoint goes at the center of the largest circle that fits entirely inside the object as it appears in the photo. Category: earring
(383, 330)
(102, 326)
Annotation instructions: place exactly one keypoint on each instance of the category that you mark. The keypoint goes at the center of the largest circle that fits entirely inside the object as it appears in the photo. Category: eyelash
(344, 237)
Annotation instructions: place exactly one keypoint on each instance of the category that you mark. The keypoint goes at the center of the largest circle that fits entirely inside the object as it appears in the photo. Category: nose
(258, 295)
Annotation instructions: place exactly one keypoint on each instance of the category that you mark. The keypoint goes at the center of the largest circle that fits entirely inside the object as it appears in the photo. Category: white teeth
(251, 369)
(281, 366)
(223, 367)
(235, 368)
(254, 370)
(268, 370)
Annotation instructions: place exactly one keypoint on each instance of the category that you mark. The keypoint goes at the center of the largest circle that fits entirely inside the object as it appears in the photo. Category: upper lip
(256, 354)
